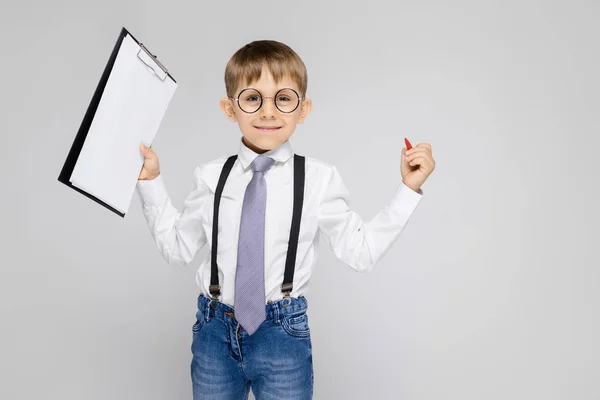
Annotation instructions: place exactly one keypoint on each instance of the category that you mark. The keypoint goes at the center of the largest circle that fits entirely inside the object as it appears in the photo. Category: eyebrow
(276, 90)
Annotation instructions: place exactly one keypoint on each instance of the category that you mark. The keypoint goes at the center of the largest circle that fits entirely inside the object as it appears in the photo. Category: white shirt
(325, 214)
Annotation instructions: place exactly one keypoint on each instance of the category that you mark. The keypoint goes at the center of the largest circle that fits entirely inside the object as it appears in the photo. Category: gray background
(491, 292)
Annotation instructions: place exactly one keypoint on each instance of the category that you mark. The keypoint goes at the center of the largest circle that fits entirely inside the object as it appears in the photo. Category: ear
(305, 110)
(227, 106)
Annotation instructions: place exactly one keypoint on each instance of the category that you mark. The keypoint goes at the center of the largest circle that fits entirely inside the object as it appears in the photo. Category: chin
(265, 143)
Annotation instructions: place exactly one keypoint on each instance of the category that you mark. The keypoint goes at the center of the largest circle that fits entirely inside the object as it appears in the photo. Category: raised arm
(178, 235)
(357, 243)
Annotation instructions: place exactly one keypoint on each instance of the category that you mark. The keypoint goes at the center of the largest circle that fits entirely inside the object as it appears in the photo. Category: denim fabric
(275, 361)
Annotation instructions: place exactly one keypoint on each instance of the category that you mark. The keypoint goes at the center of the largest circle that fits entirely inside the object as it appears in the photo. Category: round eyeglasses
(250, 100)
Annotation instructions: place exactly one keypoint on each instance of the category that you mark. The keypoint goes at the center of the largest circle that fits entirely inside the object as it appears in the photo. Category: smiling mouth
(267, 128)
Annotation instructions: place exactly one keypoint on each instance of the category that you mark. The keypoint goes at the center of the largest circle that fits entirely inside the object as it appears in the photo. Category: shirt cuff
(420, 192)
(153, 192)
(406, 200)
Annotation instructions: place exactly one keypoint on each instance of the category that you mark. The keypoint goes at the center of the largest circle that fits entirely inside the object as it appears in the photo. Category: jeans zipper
(239, 336)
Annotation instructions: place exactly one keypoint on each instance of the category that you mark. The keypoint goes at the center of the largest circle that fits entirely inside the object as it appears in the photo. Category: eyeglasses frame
(273, 97)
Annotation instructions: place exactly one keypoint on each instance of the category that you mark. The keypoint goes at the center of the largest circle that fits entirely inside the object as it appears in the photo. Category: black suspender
(288, 279)
(299, 173)
(215, 288)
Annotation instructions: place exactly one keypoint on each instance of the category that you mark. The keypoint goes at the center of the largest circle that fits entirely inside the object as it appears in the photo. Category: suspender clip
(215, 291)
(286, 289)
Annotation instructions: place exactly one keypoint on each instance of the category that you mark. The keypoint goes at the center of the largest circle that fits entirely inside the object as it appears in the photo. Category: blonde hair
(246, 65)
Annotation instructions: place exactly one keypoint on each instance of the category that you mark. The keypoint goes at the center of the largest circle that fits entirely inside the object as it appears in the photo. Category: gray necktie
(250, 272)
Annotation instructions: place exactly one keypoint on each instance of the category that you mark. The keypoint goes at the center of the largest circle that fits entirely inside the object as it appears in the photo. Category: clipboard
(126, 109)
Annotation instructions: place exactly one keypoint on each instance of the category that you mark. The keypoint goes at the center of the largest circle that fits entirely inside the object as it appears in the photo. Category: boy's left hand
(416, 165)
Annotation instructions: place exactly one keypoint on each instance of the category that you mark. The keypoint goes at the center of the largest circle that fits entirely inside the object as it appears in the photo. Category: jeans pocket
(296, 325)
(200, 319)
(197, 326)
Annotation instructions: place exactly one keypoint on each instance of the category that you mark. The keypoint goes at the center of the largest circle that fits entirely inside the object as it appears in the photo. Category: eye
(283, 98)
(252, 98)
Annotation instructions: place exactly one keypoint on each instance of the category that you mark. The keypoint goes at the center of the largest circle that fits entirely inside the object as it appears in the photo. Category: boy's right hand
(150, 169)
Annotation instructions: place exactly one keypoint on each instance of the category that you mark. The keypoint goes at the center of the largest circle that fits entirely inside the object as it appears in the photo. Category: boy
(260, 212)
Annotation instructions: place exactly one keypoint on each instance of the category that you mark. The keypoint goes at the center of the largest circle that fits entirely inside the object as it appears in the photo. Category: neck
(253, 147)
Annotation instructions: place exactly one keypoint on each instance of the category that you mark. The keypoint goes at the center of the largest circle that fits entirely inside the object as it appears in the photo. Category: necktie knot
(262, 163)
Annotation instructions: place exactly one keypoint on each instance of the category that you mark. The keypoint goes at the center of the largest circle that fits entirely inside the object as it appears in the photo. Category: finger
(418, 161)
(417, 153)
(425, 164)
(425, 160)
(416, 149)
(425, 146)
(421, 146)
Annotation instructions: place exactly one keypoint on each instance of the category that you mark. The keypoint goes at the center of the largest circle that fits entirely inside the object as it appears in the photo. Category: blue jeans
(276, 361)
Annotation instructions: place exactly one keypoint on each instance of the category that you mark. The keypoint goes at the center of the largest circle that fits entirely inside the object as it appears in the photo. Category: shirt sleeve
(357, 243)
(178, 235)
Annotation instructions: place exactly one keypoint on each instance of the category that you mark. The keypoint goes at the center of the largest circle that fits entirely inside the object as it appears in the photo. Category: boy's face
(268, 127)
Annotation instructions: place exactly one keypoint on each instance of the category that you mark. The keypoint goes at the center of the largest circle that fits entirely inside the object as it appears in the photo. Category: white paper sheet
(130, 111)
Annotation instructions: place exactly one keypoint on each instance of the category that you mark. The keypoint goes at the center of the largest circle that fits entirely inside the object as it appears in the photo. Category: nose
(267, 111)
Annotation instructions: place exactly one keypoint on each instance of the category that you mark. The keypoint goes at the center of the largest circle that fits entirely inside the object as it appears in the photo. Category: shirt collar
(280, 154)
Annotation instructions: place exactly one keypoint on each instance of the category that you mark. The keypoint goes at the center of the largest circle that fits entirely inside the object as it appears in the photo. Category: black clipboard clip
(151, 57)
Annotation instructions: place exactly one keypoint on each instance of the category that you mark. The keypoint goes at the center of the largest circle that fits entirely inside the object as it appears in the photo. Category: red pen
(408, 145)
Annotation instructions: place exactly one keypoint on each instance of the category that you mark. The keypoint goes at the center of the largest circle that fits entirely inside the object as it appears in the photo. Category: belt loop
(207, 310)
(275, 306)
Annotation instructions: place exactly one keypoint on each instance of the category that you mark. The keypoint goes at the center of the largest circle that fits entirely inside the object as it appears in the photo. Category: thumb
(144, 149)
